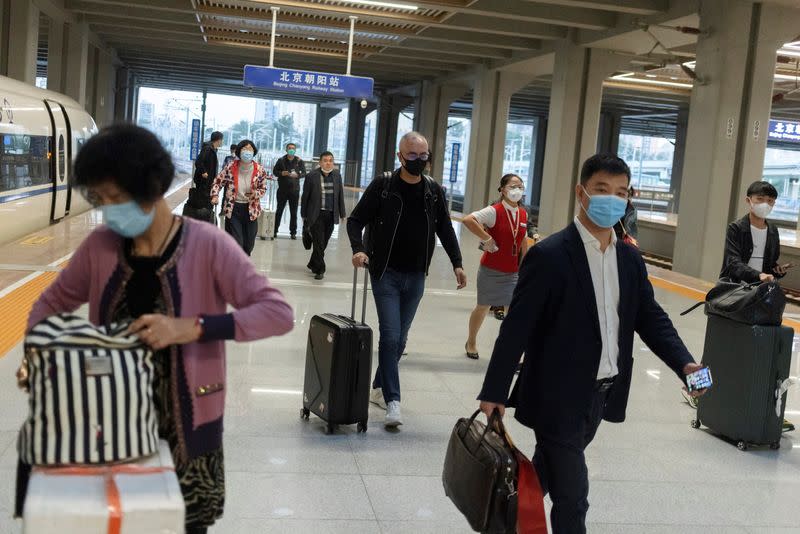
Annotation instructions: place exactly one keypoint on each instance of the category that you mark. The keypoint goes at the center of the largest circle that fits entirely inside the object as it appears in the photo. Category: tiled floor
(652, 474)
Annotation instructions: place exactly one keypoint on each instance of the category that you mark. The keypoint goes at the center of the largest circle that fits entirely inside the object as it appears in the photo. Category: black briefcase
(339, 367)
(480, 474)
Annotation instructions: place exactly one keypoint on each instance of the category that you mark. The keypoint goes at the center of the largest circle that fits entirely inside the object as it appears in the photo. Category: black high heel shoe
(471, 355)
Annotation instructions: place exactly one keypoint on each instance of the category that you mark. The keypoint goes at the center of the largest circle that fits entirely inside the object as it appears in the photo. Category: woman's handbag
(491, 482)
(90, 394)
(754, 304)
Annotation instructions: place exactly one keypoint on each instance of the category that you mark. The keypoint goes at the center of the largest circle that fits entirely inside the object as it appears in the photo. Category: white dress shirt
(759, 244)
(605, 279)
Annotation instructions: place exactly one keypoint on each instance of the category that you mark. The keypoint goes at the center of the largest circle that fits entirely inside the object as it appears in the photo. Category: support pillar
(121, 95)
(5, 21)
(77, 61)
(389, 109)
(728, 120)
(356, 124)
(106, 81)
(324, 115)
(487, 142)
(23, 40)
(574, 119)
(608, 137)
(55, 56)
(679, 158)
(537, 163)
(431, 119)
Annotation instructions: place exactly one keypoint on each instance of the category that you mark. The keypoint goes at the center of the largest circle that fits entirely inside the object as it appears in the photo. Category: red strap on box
(112, 491)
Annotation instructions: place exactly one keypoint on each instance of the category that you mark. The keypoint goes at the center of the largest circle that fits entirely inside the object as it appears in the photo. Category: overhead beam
(512, 28)
(155, 48)
(174, 6)
(633, 7)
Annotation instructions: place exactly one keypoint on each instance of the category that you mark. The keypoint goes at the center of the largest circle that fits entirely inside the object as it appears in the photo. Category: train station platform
(653, 473)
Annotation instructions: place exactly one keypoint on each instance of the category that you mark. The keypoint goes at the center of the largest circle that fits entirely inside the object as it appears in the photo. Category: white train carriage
(40, 134)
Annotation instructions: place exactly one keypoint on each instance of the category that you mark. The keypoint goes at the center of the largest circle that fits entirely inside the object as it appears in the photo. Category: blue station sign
(195, 146)
(455, 156)
(784, 131)
(303, 81)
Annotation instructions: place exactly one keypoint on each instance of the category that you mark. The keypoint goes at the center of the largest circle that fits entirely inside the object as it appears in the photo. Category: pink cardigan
(207, 272)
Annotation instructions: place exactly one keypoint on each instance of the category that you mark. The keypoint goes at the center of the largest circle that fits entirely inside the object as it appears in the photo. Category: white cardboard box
(151, 503)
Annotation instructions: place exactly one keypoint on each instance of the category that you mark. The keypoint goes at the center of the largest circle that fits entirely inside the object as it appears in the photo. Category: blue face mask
(246, 156)
(127, 219)
(605, 210)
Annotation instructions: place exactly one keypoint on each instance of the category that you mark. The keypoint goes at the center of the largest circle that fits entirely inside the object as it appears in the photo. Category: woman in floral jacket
(245, 182)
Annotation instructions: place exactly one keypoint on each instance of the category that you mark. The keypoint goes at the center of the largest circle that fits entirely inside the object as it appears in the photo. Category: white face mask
(761, 210)
(514, 194)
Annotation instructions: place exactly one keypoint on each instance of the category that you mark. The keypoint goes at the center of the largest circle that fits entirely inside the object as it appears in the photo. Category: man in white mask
(752, 244)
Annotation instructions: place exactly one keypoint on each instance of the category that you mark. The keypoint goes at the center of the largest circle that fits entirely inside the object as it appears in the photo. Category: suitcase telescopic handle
(355, 290)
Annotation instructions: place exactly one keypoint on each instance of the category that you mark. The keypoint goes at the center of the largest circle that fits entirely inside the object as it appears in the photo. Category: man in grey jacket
(322, 207)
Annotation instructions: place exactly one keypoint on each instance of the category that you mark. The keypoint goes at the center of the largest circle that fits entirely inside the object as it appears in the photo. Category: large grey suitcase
(748, 364)
(266, 219)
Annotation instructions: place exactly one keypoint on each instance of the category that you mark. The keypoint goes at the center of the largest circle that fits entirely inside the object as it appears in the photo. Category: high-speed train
(40, 134)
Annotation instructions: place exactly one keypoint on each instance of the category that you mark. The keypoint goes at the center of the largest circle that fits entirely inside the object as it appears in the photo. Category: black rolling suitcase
(749, 364)
(339, 367)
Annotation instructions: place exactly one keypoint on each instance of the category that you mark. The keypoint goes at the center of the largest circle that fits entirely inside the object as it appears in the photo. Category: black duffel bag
(759, 303)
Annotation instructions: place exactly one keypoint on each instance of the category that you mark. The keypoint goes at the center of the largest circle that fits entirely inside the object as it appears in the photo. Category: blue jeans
(397, 296)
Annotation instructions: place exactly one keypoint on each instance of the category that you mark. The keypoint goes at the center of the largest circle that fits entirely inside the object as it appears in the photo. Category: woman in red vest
(502, 229)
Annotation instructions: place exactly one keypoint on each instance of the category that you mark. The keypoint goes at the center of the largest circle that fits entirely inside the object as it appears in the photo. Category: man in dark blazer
(580, 297)
(322, 207)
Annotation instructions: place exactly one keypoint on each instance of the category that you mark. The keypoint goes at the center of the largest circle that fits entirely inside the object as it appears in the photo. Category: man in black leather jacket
(402, 215)
(752, 244)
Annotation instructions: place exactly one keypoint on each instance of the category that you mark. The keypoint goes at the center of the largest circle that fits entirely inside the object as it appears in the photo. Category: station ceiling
(196, 44)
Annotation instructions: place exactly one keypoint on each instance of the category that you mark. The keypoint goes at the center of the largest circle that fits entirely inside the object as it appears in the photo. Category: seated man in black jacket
(752, 245)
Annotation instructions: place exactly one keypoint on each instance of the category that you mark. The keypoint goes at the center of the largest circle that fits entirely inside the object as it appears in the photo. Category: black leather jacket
(379, 212)
(739, 249)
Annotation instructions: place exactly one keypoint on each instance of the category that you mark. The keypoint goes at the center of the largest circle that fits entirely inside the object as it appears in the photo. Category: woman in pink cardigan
(173, 278)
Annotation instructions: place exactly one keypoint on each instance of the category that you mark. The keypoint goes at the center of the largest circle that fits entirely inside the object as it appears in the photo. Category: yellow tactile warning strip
(15, 307)
(36, 240)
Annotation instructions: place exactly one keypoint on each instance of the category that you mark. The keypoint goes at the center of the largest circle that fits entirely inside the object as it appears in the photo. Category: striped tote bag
(90, 395)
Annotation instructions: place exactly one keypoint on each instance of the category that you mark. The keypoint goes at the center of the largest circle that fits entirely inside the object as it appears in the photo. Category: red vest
(504, 260)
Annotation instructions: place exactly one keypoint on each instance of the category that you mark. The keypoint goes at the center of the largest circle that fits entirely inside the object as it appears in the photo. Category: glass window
(169, 114)
(458, 131)
(337, 136)
(650, 160)
(368, 153)
(270, 124)
(405, 124)
(24, 161)
(519, 143)
(782, 169)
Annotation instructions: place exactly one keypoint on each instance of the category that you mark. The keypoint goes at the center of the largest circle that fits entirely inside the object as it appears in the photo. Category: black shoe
(471, 355)
(319, 276)
(294, 237)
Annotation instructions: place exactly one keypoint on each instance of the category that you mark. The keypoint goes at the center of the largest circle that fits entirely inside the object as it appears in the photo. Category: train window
(62, 157)
(24, 161)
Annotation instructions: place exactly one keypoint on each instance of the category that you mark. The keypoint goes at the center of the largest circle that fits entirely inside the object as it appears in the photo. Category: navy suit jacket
(553, 320)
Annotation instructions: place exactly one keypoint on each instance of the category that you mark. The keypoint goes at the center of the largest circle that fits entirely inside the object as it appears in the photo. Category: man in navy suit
(580, 297)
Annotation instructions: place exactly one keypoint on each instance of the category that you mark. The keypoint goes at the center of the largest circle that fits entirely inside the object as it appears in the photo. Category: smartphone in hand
(700, 379)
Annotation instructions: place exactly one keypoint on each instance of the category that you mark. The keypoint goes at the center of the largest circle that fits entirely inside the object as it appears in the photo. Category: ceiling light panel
(380, 3)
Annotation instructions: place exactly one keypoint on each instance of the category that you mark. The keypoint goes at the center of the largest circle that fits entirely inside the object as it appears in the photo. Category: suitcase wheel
(742, 446)
(305, 413)
(695, 423)
(362, 427)
(775, 446)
